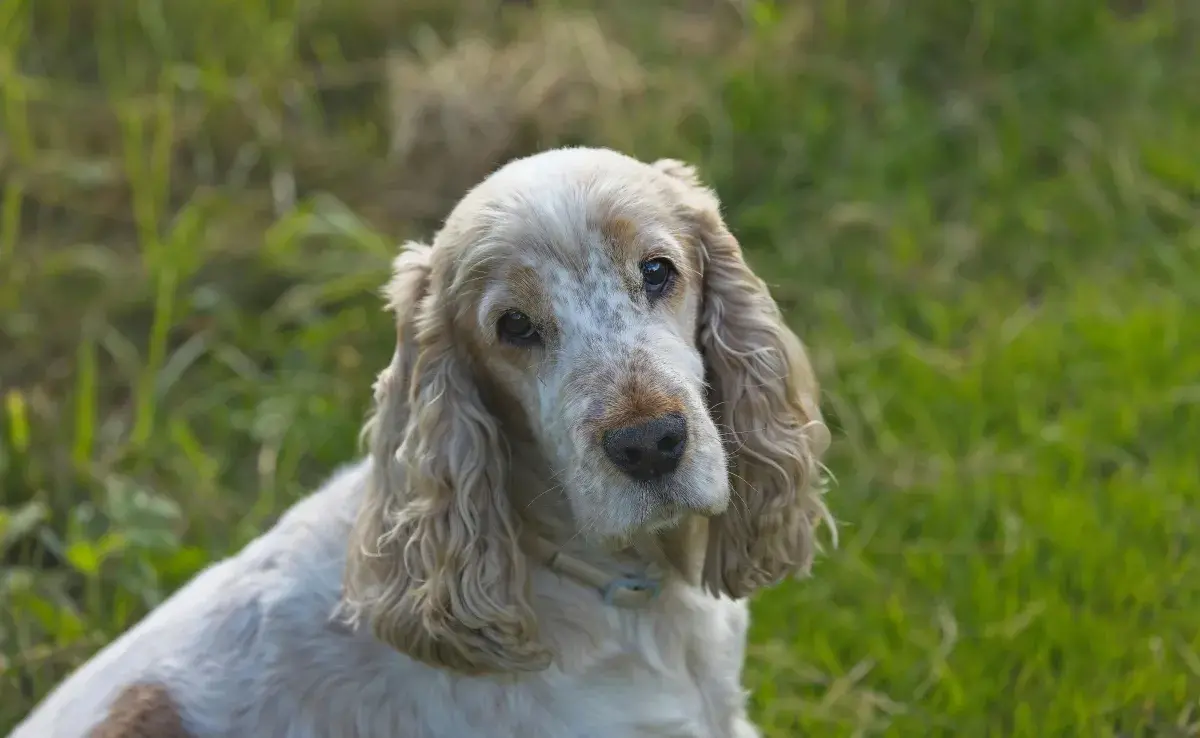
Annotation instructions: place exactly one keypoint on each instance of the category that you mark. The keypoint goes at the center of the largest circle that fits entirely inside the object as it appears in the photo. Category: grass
(983, 218)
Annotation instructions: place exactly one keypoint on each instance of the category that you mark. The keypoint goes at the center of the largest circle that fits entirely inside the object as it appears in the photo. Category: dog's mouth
(694, 504)
(674, 500)
(664, 517)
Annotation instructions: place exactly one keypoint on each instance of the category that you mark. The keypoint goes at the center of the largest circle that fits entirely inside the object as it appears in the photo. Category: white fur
(248, 649)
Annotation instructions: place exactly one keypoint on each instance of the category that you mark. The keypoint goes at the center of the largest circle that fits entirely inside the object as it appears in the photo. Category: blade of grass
(86, 390)
(148, 173)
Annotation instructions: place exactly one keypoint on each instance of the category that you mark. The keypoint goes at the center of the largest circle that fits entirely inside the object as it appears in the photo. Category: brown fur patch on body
(142, 711)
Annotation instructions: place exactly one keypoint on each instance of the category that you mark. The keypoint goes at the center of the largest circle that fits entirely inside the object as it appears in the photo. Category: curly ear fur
(434, 563)
(764, 397)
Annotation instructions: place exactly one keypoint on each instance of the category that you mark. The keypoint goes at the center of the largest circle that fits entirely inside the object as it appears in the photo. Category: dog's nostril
(649, 450)
(671, 444)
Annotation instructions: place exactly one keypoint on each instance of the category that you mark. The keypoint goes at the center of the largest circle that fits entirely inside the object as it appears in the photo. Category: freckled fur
(399, 598)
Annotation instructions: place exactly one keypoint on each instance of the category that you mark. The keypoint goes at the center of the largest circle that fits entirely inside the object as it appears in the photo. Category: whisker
(583, 529)
(542, 494)
(747, 483)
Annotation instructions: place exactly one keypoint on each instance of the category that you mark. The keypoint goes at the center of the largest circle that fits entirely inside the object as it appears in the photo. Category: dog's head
(597, 310)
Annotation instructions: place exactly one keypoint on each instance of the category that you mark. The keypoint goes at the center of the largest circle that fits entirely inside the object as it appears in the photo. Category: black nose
(649, 450)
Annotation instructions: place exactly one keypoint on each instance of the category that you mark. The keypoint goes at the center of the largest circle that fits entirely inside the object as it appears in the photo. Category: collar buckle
(630, 591)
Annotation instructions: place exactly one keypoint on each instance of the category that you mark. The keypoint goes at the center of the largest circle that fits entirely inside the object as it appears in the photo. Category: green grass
(983, 218)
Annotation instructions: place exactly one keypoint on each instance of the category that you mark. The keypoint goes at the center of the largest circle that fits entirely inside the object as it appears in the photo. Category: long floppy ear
(764, 396)
(434, 563)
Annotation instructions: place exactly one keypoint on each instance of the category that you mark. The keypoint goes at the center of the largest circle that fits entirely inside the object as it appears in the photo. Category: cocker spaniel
(595, 439)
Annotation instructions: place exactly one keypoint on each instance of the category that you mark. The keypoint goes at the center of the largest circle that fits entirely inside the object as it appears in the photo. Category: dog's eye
(656, 274)
(516, 327)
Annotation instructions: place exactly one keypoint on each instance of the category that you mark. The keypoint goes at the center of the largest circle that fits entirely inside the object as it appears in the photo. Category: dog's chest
(698, 697)
(649, 677)
(674, 672)
(674, 677)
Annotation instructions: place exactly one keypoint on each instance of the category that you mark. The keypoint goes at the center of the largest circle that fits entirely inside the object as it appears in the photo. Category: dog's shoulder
(224, 636)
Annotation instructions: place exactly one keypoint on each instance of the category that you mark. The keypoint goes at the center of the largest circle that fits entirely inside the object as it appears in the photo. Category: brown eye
(516, 328)
(657, 274)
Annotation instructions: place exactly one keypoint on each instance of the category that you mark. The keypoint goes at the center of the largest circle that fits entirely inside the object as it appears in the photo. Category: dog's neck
(626, 573)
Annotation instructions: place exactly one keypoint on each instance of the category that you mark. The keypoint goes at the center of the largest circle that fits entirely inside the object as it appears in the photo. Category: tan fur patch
(142, 711)
(638, 403)
(527, 293)
(622, 234)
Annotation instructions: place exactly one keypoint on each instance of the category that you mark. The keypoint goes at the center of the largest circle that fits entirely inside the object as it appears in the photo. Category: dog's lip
(690, 502)
(713, 509)
(671, 514)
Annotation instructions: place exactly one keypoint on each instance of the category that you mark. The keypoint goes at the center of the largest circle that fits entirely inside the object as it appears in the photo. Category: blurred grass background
(983, 217)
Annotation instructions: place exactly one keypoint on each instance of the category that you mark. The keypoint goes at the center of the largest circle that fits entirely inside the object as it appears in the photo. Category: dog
(596, 438)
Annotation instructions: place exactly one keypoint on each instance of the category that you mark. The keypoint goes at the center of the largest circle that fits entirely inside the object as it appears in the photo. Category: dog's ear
(764, 396)
(434, 563)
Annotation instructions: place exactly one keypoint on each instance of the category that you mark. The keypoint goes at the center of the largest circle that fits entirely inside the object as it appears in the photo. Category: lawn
(983, 218)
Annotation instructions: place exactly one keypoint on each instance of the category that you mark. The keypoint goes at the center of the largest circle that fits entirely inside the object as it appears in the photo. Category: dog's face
(579, 293)
(589, 315)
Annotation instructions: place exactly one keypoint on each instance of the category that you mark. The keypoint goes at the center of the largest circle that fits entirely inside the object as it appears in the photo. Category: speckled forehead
(576, 283)
(594, 292)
